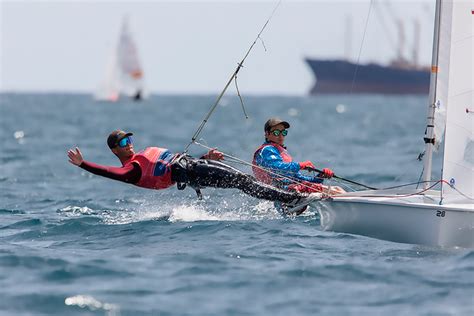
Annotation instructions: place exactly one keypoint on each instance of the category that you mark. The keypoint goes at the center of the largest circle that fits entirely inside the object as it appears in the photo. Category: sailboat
(443, 217)
(124, 73)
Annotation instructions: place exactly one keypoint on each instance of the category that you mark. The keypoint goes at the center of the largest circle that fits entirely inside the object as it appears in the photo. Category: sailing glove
(326, 173)
(306, 164)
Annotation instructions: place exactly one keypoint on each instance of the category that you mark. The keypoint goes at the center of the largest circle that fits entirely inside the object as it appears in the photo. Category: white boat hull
(400, 220)
(446, 217)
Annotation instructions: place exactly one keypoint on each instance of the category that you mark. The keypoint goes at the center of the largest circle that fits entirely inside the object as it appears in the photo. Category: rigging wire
(234, 75)
(240, 97)
(435, 182)
(361, 45)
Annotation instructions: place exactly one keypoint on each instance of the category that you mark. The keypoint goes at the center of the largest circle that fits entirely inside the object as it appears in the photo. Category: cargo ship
(402, 75)
(341, 76)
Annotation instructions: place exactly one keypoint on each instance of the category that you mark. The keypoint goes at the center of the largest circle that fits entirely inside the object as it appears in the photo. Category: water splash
(76, 211)
(19, 136)
(216, 209)
(87, 301)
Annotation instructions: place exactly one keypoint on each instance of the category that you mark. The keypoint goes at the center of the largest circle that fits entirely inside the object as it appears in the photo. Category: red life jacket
(263, 175)
(155, 164)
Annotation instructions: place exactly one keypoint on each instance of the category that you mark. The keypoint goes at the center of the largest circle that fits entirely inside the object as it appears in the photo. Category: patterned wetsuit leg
(210, 173)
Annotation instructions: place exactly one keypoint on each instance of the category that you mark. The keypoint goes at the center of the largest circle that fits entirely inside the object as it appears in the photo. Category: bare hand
(333, 190)
(75, 157)
(214, 154)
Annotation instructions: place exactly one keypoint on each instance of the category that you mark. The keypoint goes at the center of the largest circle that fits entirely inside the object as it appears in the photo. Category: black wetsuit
(210, 173)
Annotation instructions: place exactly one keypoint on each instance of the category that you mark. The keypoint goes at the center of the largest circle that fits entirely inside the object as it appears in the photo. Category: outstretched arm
(129, 174)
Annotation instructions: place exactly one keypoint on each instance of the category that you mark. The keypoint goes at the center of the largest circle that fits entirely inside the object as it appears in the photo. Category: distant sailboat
(124, 73)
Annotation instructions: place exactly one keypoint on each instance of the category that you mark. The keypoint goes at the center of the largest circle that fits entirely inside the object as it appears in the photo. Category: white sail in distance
(129, 62)
(124, 74)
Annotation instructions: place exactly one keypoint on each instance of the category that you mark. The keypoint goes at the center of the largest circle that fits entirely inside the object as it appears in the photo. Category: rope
(343, 179)
(405, 185)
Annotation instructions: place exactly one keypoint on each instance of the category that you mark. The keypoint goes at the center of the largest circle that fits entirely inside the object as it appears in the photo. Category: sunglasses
(277, 132)
(125, 141)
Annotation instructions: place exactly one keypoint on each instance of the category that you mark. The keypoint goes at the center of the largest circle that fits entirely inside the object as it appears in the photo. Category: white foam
(190, 213)
(87, 301)
(224, 212)
(76, 211)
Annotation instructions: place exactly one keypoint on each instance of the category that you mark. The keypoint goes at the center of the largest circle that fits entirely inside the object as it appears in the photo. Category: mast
(429, 132)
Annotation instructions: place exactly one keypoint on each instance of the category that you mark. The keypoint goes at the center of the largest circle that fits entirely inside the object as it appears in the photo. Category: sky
(194, 46)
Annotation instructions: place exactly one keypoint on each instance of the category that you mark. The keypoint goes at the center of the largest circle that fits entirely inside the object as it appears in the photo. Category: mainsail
(454, 95)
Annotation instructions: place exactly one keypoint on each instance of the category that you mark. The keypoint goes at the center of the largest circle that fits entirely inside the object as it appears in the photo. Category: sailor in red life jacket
(158, 168)
(284, 172)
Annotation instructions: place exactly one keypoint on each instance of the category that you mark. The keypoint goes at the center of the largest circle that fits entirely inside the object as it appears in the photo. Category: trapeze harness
(262, 174)
(155, 164)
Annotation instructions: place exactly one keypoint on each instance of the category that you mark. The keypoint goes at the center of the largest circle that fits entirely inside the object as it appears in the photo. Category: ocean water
(72, 243)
